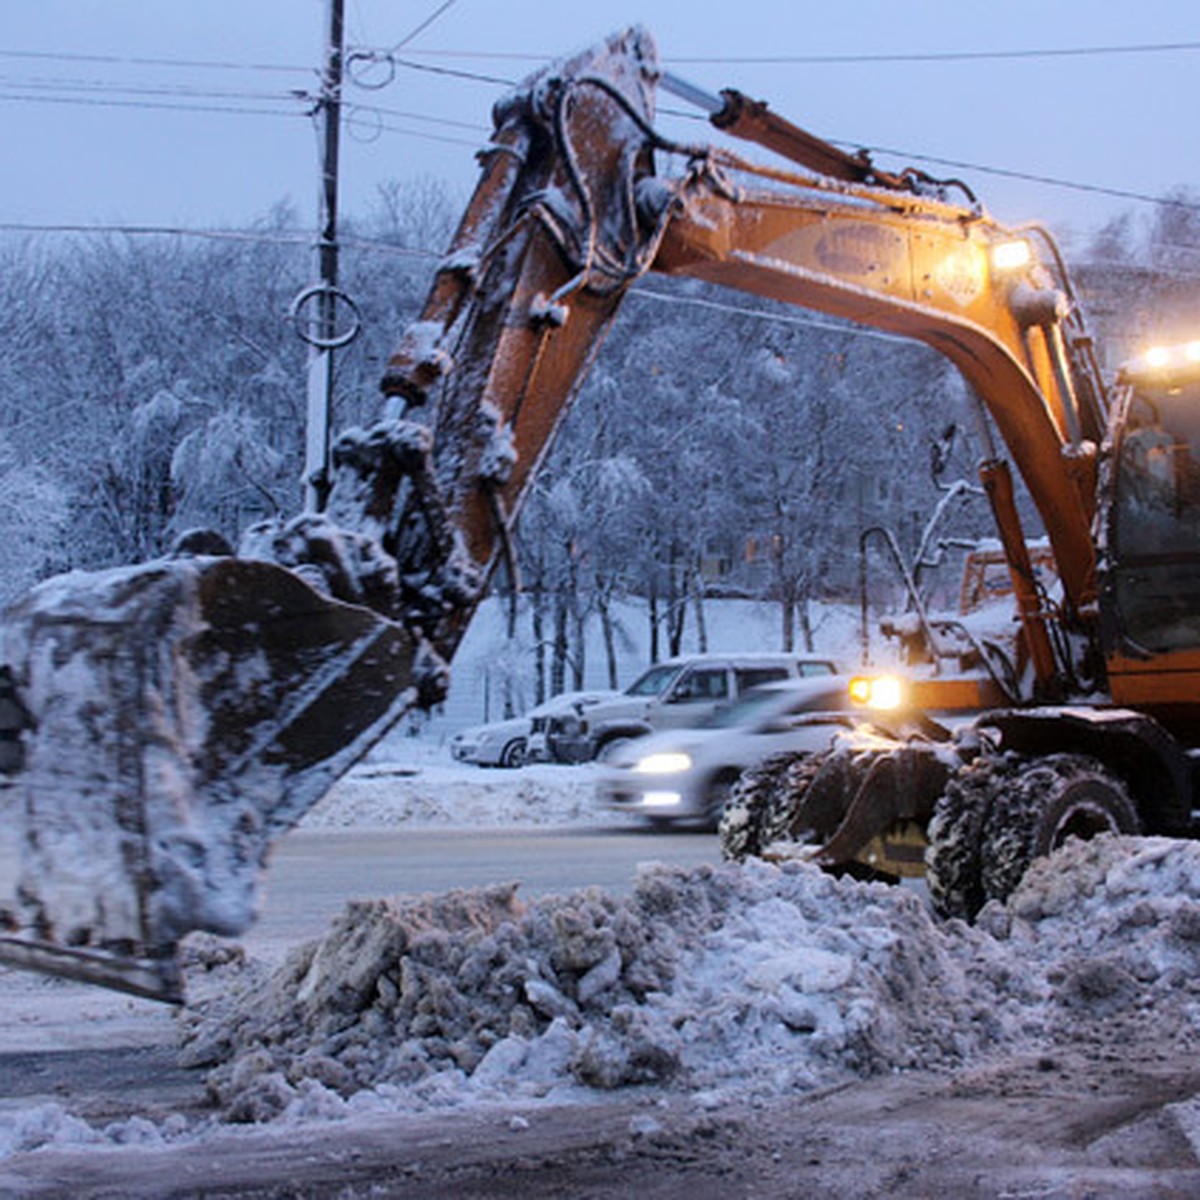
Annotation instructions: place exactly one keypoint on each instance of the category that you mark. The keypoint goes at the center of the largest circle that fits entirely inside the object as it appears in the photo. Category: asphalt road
(313, 873)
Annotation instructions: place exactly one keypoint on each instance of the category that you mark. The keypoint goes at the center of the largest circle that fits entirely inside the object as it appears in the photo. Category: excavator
(161, 724)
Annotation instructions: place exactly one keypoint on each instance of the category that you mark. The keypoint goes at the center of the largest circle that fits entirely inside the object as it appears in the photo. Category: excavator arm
(180, 715)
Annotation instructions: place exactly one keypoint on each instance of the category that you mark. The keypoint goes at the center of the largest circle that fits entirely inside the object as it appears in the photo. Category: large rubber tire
(765, 803)
(953, 866)
(740, 830)
(1050, 800)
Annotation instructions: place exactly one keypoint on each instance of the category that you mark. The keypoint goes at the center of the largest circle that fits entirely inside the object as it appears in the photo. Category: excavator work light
(877, 691)
(1165, 359)
(1012, 255)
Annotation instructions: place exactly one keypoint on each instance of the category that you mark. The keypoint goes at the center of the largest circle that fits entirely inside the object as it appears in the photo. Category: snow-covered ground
(716, 986)
(416, 783)
(710, 983)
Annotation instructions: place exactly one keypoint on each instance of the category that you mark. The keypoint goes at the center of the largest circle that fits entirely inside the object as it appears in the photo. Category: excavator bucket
(180, 715)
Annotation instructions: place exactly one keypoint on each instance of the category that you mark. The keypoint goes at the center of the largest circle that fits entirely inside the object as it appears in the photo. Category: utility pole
(320, 360)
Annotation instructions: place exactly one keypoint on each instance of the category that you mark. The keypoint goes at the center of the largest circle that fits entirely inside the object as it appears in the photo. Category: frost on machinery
(163, 723)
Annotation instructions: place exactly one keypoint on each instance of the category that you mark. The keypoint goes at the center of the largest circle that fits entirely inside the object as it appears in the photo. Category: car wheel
(720, 790)
(610, 748)
(513, 755)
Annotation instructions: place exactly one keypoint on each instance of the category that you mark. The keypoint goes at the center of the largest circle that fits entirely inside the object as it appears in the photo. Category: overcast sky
(95, 133)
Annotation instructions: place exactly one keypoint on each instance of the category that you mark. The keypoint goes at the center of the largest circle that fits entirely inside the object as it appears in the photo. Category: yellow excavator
(161, 724)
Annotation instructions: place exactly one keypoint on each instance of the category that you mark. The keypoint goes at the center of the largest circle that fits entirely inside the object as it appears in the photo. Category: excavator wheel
(952, 858)
(1046, 802)
(749, 808)
(767, 804)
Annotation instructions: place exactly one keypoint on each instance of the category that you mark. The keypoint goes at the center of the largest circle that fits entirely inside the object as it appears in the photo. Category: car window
(809, 669)
(654, 681)
(748, 677)
(702, 684)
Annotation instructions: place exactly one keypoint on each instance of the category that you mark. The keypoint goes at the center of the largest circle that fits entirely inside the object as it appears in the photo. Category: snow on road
(423, 786)
(711, 982)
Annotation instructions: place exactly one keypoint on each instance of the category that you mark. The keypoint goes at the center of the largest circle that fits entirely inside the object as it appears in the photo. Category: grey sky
(1119, 121)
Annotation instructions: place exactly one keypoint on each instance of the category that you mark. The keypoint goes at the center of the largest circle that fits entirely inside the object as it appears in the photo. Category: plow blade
(181, 715)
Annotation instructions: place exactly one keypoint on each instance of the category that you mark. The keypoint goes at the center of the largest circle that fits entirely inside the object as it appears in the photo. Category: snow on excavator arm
(183, 714)
(177, 717)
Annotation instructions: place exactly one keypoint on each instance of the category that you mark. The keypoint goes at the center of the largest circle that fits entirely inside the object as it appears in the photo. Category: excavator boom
(181, 715)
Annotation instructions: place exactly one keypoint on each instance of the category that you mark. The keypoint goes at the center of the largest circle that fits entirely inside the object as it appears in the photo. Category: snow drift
(773, 978)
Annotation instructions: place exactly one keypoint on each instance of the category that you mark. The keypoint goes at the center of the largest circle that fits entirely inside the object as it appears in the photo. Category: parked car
(561, 717)
(506, 743)
(683, 691)
(685, 776)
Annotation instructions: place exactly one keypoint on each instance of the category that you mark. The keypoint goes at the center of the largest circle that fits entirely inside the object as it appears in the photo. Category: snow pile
(702, 979)
(1113, 928)
(715, 978)
(426, 789)
(51, 1124)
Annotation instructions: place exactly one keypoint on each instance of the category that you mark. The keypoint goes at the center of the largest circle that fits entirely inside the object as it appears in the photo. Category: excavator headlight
(877, 691)
(1163, 361)
(1011, 255)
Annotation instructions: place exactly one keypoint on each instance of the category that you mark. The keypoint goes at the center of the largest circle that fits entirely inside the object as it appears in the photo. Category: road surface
(313, 873)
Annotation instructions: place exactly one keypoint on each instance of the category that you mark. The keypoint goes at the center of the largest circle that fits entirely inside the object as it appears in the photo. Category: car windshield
(653, 682)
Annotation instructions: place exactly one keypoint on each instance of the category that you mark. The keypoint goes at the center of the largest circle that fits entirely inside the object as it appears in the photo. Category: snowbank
(775, 978)
(715, 982)
(418, 784)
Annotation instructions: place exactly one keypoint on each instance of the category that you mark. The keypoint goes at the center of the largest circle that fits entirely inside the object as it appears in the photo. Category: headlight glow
(1012, 255)
(877, 691)
(660, 799)
(1163, 359)
(668, 762)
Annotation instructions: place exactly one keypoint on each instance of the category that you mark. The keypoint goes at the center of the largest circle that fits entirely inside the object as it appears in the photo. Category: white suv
(681, 692)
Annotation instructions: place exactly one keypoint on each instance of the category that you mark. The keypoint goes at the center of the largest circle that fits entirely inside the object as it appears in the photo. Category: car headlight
(668, 762)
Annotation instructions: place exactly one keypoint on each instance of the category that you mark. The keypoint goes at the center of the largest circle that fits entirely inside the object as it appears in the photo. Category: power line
(936, 56)
(129, 60)
(641, 292)
(281, 237)
(850, 59)
(305, 97)
(1049, 180)
(471, 75)
(96, 102)
(472, 126)
(422, 26)
(714, 60)
(104, 86)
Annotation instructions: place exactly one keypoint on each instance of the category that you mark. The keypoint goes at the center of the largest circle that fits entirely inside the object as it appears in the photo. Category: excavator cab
(1155, 522)
(1150, 594)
